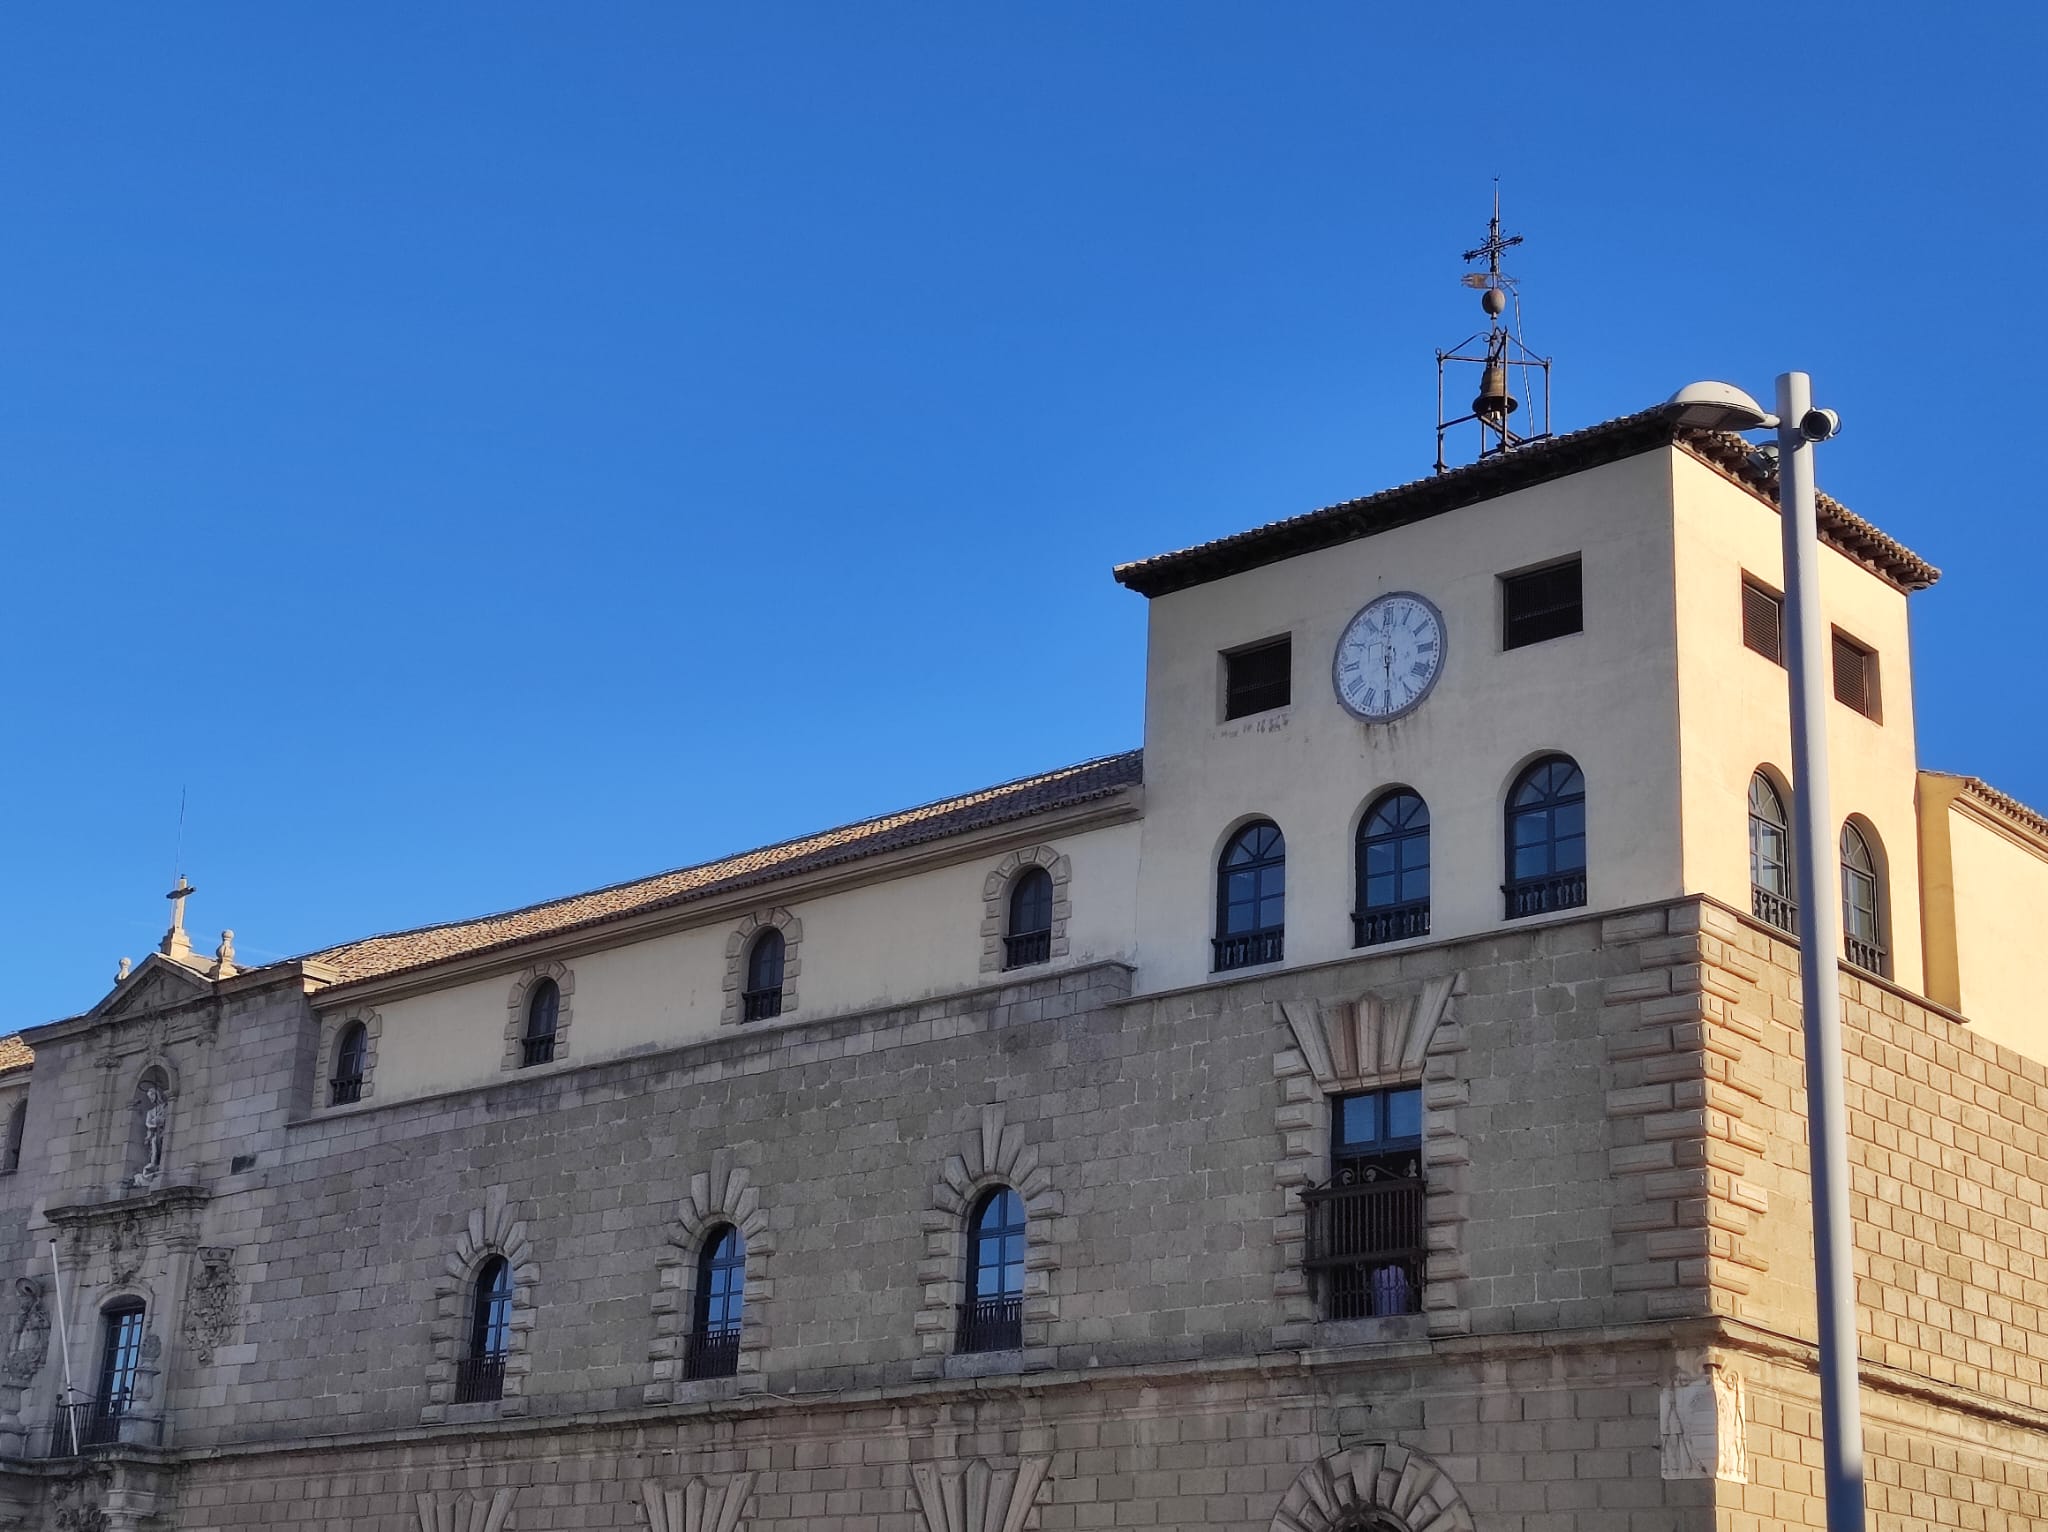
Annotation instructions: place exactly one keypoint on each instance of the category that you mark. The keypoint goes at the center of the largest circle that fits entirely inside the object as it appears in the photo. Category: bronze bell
(1494, 403)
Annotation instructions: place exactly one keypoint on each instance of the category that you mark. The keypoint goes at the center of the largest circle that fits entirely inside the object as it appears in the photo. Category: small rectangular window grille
(1258, 679)
(533, 1050)
(760, 1004)
(1542, 604)
(1763, 622)
(1855, 675)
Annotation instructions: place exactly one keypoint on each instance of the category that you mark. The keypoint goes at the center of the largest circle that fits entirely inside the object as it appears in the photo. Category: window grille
(1251, 898)
(1546, 836)
(1763, 622)
(992, 1318)
(543, 1009)
(1542, 604)
(1367, 1229)
(480, 1376)
(1770, 857)
(1030, 936)
(1258, 679)
(1862, 928)
(350, 1060)
(712, 1349)
(1855, 676)
(1393, 871)
(761, 1000)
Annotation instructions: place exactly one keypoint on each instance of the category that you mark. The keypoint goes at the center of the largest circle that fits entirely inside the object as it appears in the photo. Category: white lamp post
(1721, 407)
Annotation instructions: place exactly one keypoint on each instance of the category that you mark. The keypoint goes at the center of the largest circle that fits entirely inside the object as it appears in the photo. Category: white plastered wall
(1604, 696)
(1734, 711)
(889, 942)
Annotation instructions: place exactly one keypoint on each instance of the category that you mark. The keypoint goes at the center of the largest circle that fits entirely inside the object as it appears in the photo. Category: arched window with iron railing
(992, 1319)
(1393, 870)
(1251, 898)
(1029, 938)
(712, 1349)
(761, 1000)
(123, 1325)
(1862, 903)
(351, 1058)
(1770, 856)
(480, 1375)
(1546, 838)
(543, 1013)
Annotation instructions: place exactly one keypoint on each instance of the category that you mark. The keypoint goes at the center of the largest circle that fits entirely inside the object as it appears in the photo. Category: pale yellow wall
(903, 939)
(1734, 710)
(1605, 696)
(1995, 910)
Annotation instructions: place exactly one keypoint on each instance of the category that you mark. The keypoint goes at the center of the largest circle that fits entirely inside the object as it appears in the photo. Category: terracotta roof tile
(2002, 804)
(15, 1054)
(398, 951)
(1536, 463)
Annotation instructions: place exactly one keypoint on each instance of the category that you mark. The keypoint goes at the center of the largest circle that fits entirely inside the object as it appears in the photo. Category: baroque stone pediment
(157, 985)
(1372, 1037)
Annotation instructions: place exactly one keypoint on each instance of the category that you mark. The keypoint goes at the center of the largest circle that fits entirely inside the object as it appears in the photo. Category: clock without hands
(1389, 656)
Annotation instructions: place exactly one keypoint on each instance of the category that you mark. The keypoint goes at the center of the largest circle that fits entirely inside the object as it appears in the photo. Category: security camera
(1819, 425)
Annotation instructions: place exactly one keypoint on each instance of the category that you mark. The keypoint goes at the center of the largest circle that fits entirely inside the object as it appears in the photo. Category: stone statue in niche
(29, 1341)
(154, 1107)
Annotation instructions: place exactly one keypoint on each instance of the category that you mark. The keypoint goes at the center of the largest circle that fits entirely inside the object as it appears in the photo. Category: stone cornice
(70, 1214)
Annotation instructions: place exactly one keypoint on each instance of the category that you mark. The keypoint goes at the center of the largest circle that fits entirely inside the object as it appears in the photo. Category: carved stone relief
(979, 1496)
(1374, 1483)
(28, 1343)
(213, 1307)
(126, 1241)
(465, 1510)
(701, 1505)
(1704, 1421)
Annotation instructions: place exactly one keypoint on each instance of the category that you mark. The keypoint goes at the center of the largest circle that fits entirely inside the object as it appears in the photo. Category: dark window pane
(1542, 604)
(1259, 679)
(1404, 1114)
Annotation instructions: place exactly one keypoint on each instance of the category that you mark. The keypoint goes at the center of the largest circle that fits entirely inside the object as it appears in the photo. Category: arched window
(17, 1124)
(762, 998)
(1251, 897)
(543, 1011)
(713, 1347)
(481, 1374)
(1862, 909)
(1393, 870)
(351, 1056)
(992, 1319)
(1770, 857)
(122, 1326)
(1546, 835)
(1029, 939)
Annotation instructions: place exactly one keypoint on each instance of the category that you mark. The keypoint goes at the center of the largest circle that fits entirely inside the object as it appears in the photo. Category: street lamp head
(1719, 407)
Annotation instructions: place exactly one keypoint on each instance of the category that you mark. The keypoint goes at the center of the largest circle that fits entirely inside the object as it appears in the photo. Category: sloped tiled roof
(1536, 463)
(377, 956)
(15, 1054)
(2003, 804)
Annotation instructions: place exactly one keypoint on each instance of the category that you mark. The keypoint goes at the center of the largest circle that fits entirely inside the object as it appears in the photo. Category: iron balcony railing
(538, 1050)
(712, 1353)
(1868, 956)
(345, 1091)
(1367, 1241)
(1392, 923)
(480, 1379)
(1249, 949)
(1773, 909)
(760, 1004)
(86, 1424)
(992, 1324)
(1539, 896)
(1026, 947)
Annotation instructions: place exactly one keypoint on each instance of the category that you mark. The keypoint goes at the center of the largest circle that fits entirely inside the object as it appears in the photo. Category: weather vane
(1497, 351)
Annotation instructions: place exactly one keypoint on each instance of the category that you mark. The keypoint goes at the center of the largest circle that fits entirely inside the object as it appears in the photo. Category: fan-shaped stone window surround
(1372, 1043)
(516, 1018)
(995, 902)
(995, 1155)
(492, 1229)
(331, 1028)
(721, 1196)
(741, 942)
(1373, 1487)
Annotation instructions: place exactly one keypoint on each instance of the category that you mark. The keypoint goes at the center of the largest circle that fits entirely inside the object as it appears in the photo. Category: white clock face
(1389, 657)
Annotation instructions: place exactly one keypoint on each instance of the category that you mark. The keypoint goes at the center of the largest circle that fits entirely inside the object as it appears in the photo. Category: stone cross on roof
(176, 944)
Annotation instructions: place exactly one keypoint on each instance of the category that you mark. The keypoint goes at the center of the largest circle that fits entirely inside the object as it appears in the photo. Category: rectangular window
(1541, 604)
(1855, 675)
(1763, 620)
(1258, 679)
(1366, 1231)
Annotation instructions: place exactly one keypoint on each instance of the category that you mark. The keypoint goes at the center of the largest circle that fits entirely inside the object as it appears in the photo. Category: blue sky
(484, 452)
